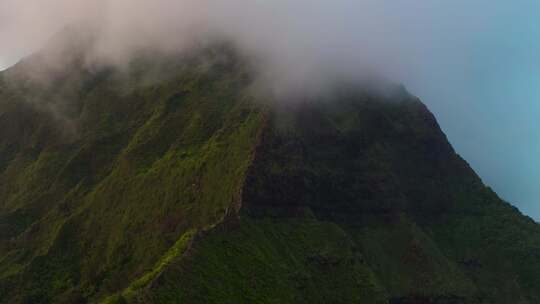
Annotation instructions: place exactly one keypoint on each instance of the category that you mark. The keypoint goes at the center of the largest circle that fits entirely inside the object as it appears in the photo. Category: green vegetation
(169, 182)
(271, 261)
(90, 210)
(175, 252)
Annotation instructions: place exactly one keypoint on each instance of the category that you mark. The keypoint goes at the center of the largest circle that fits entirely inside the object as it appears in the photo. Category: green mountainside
(172, 181)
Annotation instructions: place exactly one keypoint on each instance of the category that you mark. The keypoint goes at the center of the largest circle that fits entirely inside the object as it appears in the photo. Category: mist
(298, 43)
(472, 61)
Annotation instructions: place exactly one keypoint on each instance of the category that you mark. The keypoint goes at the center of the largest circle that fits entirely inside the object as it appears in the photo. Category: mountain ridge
(170, 181)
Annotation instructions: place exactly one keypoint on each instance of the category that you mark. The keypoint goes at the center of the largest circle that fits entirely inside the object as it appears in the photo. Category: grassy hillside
(169, 182)
(91, 205)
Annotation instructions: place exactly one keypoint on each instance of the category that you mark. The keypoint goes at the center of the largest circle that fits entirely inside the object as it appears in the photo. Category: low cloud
(298, 43)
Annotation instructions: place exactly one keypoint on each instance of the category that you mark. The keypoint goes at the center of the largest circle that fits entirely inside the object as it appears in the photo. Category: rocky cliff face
(171, 182)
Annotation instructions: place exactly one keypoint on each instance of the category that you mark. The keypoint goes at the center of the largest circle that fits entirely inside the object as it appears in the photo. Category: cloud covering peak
(296, 39)
(474, 62)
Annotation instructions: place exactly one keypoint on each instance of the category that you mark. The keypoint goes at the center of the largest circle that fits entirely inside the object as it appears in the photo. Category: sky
(7, 61)
(475, 63)
(489, 105)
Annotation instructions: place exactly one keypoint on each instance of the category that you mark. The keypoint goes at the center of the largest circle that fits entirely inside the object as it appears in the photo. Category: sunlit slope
(171, 181)
(93, 196)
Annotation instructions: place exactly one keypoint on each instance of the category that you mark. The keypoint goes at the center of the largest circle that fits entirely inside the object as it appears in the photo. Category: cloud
(298, 42)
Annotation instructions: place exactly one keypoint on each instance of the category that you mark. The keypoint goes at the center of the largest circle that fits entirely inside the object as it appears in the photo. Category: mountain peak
(183, 185)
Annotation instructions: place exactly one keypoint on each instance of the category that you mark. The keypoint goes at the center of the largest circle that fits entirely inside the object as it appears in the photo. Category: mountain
(171, 181)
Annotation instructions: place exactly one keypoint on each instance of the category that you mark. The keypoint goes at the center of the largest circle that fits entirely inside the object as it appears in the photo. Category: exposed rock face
(169, 182)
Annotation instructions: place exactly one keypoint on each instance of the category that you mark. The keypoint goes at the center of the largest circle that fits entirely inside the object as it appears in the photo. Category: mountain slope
(416, 224)
(143, 166)
(171, 182)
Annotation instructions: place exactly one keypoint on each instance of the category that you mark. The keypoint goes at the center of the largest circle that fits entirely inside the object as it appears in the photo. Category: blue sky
(489, 105)
(475, 63)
